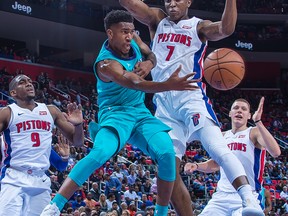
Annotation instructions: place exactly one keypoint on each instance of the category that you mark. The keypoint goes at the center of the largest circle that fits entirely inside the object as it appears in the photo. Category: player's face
(240, 112)
(177, 9)
(120, 36)
(24, 88)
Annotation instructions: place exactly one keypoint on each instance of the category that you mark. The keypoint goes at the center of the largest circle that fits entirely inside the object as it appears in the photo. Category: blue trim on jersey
(9, 151)
(197, 57)
(201, 85)
(256, 168)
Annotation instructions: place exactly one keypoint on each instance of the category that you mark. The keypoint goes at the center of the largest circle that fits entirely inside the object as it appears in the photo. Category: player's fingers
(189, 75)
(79, 106)
(177, 71)
(137, 65)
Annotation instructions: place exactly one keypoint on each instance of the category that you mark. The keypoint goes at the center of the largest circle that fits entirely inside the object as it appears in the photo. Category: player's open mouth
(238, 117)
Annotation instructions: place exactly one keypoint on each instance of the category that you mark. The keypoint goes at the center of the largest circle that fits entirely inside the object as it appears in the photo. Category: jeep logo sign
(22, 8)
(244, 45)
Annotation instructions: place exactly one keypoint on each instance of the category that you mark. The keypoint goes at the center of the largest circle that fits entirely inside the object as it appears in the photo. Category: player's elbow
(276, 153)
(228, 31)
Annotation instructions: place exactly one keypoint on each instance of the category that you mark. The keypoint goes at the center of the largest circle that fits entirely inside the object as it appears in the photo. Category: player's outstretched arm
(206, 167)
(143, 13)
(261, 136)
(111, 70)
(214, 31)
(70, 124)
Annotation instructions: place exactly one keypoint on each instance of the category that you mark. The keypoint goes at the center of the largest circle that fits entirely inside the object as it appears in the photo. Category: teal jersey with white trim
(112, 94)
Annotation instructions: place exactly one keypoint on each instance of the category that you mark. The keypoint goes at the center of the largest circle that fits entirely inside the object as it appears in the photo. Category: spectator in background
(118, 174)
(95, 191)
(146, 201)
(146, 187)
(123, 207)
(284, 193)
(113, 185)
(130, 195)
(115, 208)
(103, 203)
(132, 208)
(41, 80)
(110, 199)
(90, 202)
(57, 102)
(54, 183)
(132, 177)
(78, 202)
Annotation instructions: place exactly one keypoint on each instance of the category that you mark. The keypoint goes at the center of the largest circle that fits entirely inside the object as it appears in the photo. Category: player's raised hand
(189, 168)
(258, 113)
(63, 146)
(74, 115)
(182, 83)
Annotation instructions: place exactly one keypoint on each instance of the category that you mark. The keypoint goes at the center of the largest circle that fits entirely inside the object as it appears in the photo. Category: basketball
(224, 69)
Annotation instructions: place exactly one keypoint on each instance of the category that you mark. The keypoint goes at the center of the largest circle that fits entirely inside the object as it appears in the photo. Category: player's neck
(27, 104)
(236, 129)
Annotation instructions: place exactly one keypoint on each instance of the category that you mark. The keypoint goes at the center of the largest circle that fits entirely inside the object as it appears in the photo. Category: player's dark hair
(117, 16)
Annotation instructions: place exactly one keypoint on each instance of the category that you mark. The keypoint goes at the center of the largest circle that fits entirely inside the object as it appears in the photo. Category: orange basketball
(224, 69)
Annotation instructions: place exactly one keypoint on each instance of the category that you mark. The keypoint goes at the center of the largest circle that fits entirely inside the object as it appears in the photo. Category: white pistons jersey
(252, 159)
(177, 44)
(28, 138)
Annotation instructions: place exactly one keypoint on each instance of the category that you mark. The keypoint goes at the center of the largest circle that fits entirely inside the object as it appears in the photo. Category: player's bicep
(211, 31)
(5, 114)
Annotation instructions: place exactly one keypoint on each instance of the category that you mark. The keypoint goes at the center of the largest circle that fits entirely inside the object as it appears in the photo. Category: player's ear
(229, 113)
(13, 93)
(189, 2)
(109, 33)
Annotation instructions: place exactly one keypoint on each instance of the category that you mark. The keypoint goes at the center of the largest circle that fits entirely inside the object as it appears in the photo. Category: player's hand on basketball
(142, 69)
(74, 115)
(189, 168)
(182, 83)
(258, 113)
(63, 146)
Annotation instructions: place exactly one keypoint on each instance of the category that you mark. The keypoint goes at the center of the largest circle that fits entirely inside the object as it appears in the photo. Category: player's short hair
(242, 100)
(13, 82)
(117, 16)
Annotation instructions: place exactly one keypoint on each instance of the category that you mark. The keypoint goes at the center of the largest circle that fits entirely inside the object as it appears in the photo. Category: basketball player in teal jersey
(123, 115)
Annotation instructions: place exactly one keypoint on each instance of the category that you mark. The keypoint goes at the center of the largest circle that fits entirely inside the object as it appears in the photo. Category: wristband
(257, 121)
(65, 157)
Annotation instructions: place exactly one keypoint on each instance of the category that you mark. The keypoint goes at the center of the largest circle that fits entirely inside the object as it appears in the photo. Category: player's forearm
(229, 18)
(78, 136)
(151, 57)
(138, 83)
(208, 166)
(269, 142)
